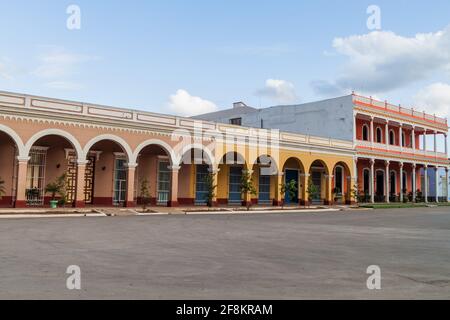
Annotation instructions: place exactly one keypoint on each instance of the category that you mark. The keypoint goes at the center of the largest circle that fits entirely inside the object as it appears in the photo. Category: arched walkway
(293, 170)
(229, 178)
(318, 187)
(9, 151)
(341, 184)
(52, 157)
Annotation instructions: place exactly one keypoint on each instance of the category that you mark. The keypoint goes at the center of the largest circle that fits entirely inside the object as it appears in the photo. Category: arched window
(366, 182)
(379, 135)
(365, 132)
(405, 182)
(393, 180)
(391, 137)
(339, 179)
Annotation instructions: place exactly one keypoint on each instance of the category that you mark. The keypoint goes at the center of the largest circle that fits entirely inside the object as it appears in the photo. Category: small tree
(210, 189)
(290, 189)
(355, 194)
(312, 190)
(145, 194)
(2, 188)
(247, 188)
(58, 187)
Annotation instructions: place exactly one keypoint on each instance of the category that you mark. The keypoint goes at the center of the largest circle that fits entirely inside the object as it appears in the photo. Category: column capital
(213, 170)
(131, 165)
(372, 162)
(23, 159)
(414, 165)
(174, 168)
(400, 164)
(386, 162)
(82, 162)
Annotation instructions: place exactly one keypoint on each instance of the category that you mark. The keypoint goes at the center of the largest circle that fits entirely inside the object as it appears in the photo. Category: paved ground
(255, 256)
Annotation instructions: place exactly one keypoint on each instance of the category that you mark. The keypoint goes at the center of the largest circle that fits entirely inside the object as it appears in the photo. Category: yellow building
(108, 153)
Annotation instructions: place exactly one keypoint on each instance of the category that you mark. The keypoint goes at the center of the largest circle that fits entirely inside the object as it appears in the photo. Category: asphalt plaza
(230, 256)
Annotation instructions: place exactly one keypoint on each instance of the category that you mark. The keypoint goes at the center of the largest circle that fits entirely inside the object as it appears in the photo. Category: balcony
(398, 110)
(405, 152)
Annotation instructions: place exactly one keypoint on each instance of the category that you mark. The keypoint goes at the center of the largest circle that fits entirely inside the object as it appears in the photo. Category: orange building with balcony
(393, 158)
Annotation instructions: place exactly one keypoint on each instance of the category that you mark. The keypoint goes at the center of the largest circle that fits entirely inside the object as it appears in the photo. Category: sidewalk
(151, 211)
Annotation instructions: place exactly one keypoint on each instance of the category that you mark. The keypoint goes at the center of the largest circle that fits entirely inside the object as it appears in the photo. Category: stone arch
(209, 159)
(121, 142)
(165, 146)
(16, 138)
(54, 132)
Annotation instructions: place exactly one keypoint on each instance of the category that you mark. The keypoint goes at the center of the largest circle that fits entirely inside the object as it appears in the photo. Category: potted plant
(2, 188)
(312, 190)
(289, 189)
(210, 188)
(337, 195)
(247, 188)
(145, 194)
(58, 187)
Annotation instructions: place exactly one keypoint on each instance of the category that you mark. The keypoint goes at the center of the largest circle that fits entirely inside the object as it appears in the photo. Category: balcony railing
(402, 150)
(400, 110)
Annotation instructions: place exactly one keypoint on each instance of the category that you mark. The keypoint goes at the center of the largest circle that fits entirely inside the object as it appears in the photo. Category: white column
(435, 143)
(413, 182)
(372, 140)
(425, 140)
(436, 184)
(386, 134)
(447, 184)
(413, 135)
(400, 137)
(387, 189)
(446, 144)
(401, 182)
(425, 187)
(372, 175)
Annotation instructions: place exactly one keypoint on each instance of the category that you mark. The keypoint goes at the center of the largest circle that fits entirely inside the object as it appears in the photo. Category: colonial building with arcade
(340, 146)
(106, 153)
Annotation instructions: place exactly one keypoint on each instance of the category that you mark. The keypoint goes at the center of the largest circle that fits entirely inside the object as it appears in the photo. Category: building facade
(393, 161)
(107, 154)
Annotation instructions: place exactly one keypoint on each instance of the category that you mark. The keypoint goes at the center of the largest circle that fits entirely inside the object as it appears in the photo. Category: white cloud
(63, 85)
(279, 90)
(7, 69)
(382, 60)
(257, 50)
(434, 98)
(59, 63)
(182, 103)
(57, 67)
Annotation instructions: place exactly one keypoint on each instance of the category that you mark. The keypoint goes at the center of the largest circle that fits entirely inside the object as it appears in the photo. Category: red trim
(20, 204)
(80, 204)
(172, 204)
(397, 112)
(6, 201)
(398, 152)
(130, 204)
(103, 201)
(186, 201)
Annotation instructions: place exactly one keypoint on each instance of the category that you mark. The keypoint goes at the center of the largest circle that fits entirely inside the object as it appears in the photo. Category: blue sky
(190, 56)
